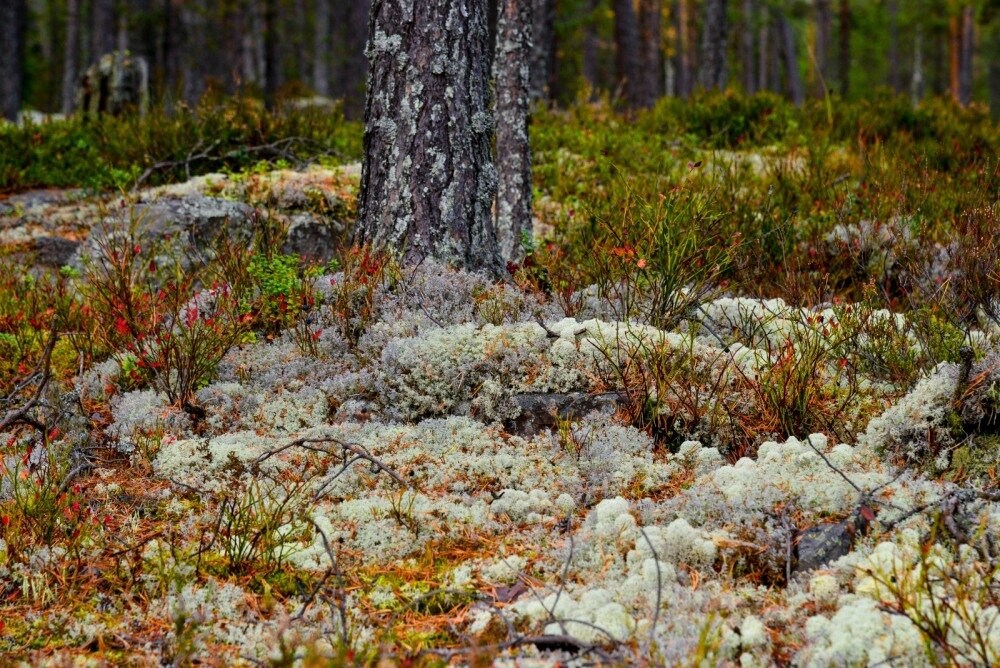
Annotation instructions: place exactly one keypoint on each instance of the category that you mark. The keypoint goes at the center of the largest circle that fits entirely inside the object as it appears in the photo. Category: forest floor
(739, 404)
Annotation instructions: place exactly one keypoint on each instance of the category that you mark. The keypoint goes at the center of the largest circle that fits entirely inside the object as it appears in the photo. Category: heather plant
(157, 315)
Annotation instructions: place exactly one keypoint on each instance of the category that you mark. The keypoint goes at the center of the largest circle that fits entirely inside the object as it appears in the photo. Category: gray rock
(819, 545)
(185, 228)
(541, 411)
(312, 236)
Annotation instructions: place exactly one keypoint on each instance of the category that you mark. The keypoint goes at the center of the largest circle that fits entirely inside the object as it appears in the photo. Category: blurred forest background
(634, 51)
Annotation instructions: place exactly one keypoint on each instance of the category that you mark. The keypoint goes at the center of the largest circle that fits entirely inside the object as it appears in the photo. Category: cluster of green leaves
(116, 152)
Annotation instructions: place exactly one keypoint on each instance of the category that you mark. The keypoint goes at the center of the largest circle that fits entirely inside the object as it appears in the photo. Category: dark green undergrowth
(113, 153)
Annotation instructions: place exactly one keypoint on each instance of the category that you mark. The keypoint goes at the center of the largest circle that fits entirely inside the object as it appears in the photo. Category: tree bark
(70, 55)
(511, 67)
(543, 49)
(965, 56)
(845, 47)
(650, 55)
(747, 48)
(12, 24)
(627, 52)
(713, 47)
(427, 179)
(789, 54)
(821, 69)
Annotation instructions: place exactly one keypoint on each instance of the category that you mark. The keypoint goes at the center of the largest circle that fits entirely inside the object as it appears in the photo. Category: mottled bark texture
(543, 47)
(511, 68)
(12, 20)
(427, 179)
(627, 52)
(713, 46)
(650, 55)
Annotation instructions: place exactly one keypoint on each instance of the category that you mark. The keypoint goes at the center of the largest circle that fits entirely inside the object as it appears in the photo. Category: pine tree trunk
(747, 48)
(12, 24)
(965, 57)
(713, 47)
(427, 181)
(543, 49)
(917, 80)
(70, 54)
(627, 51)
(352, 20)
(789, 54)
(845, 47)
(685, 62)
(590, 46)
(102, 28)
(321, 50)
(511, 68)
(650, 55)
(270, 53)
(172, 38)
(764, 49)
(821, 67)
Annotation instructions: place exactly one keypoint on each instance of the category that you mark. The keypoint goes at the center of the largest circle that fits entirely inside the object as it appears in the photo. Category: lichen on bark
(513, 80)
(428, 179)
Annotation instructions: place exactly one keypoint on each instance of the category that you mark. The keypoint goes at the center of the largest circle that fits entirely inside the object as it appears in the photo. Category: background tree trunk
(627, 62)
(270, 53)
(845, 47)
(917, 80)
(543, 49)
(590, 64)
(747, 48)
(427, 180)
(321, 48)
(352, 20)
(764, 49)
(511, 68)
(70, 55)
(793, 78)
(12, 24)
(713, 46)
(685, 69)
(965, 56)
(650, 55)
(103, 28)
(821, 60)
